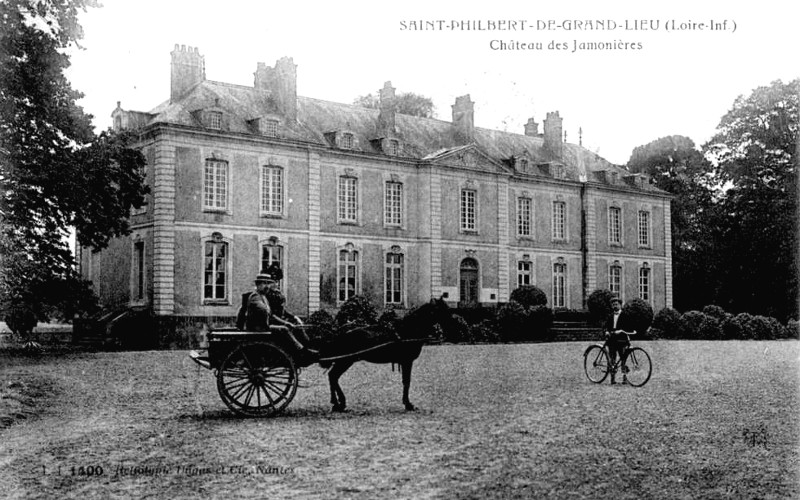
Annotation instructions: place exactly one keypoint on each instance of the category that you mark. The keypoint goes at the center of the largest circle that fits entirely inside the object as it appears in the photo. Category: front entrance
(468, 283)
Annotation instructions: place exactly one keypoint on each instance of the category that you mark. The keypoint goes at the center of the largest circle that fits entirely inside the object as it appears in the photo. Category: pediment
(470, 156)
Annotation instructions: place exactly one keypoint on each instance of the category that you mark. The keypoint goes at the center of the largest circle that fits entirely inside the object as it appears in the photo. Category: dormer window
(393, 147)
(215, 120)
(346, 141)
(270, 128)
(522, 164)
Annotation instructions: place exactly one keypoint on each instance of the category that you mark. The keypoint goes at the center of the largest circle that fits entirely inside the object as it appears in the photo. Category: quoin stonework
(357, 201)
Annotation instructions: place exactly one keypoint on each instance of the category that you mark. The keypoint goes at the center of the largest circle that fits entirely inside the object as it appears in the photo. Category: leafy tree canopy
(55, 173)
(406, 103)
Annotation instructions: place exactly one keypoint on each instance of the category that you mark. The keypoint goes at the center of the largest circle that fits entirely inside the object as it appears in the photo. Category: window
(393, 147)
(524, 216)
(644, 228)
(348, 199)
(138, 271)
(347, 141)
(215, 185)
(615, 225)
(394, 278)
(559, 220)
(522, 164)
(271, 253)
(271, 128)
(215, 120)
(271, 190)
(215, 266)
(559, 284)
(468, 209)
(348, 274)
(644, 282)
(524, 273)
(615, 280)
(393, 204)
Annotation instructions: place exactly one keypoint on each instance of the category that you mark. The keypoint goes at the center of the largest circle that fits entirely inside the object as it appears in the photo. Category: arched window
(468, 282)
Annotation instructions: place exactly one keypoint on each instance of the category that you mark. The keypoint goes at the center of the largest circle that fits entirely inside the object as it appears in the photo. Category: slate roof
(422, 138)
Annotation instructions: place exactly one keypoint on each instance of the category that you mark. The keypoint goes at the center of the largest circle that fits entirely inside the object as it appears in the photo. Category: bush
(512, 319)
(459, 331)
(710, 328)
(759, 328)
(20, 319)
(324, 324)
(388, 321)
(689, 326)
(529, 296)
(599, 304)
(357, 310)
(667, 322)
(540, 320)
(485, 331)
(716, 312)
(636, 315)
(793, 329)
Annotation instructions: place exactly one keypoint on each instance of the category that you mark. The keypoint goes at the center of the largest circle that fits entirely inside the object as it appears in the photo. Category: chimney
(281, 82)
(386, 119)
(553, 144)
(464, 119)
(531, 128)
(188, 69)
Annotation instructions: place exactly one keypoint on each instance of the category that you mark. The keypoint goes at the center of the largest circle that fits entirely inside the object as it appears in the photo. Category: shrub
(689, 326)
(636, 315)
(485, 331)
(388, 321)
(20, 319)
(716, 312)
(710, 328)
(512, 321)
(739, 327)
(667, 322)
(529, 296)
(459, 330)
(540, 320)
(759, 328)
(599, 304)
(793, 329)
(357, 309)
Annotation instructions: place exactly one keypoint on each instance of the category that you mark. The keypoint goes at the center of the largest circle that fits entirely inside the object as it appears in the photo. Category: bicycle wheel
(595, 363)
(638, 365)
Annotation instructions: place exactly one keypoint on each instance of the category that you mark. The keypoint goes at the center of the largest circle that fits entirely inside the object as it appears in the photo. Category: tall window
(271, 253)
(394, 278)
(559, 220)
(393, 204)
(524, 272)
(215, 266)
(348, 274)
(272, 190)
(348, 199)
(138, 270)
(615, 225)
(644, 282)
(215, 185)
(468, 209)
(271, 128)
(524, 216)
(644, 228)
(615, 280)
(559, 284)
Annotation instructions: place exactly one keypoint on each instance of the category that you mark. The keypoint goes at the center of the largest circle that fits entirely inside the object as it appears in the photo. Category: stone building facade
(357, 201)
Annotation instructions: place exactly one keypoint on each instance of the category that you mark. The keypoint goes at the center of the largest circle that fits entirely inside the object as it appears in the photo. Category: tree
(55, 173)
(678, 167)
(755, 155)
(407, 103)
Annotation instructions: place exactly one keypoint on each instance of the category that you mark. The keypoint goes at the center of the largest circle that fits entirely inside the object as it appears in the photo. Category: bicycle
(634, 363)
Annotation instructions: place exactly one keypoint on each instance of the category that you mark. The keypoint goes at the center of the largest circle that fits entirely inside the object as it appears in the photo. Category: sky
(676, 77)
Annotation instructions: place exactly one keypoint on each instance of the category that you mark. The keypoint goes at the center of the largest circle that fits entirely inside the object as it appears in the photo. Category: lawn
(717, 420)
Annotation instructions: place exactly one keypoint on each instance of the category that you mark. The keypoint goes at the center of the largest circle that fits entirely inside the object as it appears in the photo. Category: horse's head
(430, 320)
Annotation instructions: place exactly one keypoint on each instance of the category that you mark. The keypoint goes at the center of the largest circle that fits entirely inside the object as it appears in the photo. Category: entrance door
(468, 282)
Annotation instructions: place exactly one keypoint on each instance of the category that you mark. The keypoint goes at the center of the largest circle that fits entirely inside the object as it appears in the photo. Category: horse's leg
(337, 395)
(405, 368)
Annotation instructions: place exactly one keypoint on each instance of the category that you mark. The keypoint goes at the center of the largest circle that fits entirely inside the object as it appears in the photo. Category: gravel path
(506, 421)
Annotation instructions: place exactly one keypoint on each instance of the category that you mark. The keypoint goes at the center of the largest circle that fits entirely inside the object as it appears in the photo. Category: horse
(412, 331)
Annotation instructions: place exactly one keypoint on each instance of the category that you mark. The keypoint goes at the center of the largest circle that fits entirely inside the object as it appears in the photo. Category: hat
(616, 299)
(264, 278)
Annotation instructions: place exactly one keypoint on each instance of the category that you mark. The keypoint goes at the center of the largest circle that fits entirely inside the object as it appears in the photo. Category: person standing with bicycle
(616, 339)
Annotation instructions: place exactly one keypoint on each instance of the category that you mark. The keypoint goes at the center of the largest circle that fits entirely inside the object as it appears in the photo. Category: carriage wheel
(595, 364)
(257, 379)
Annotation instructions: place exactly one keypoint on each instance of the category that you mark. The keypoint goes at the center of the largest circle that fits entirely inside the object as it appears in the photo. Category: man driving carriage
(265, 312)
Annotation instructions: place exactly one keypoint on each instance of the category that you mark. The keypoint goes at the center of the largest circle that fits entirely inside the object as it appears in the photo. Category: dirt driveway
(507, 421)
